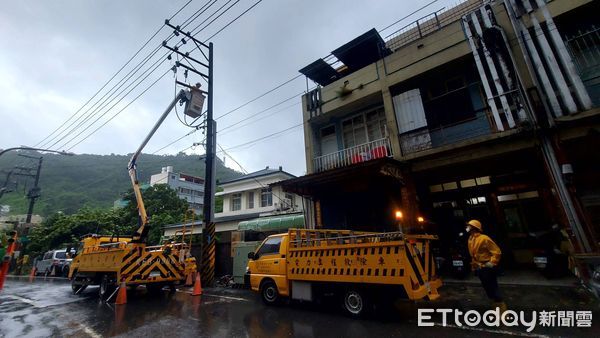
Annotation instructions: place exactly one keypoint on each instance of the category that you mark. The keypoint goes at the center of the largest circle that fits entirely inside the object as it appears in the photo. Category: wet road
(48, 308)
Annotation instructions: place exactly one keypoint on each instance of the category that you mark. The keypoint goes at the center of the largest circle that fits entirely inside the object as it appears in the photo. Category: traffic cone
(197, 286)
(32, 274)
(122, 294)
(188, 280)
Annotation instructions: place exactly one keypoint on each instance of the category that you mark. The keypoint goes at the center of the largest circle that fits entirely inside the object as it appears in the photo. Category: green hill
(71, 182)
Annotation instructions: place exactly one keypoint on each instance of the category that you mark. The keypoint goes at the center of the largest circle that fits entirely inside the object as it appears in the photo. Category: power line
(256, 120)
(260, 96)
(410, 14)
(175, 141)
(262, 111)
(146, 89)
(264, 137)
(234, 20)
(131, 73)
(112, 77)
(213, 20)
(120, 111)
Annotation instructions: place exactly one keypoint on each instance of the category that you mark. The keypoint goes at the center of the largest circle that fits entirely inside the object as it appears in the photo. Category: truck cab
(267, 268)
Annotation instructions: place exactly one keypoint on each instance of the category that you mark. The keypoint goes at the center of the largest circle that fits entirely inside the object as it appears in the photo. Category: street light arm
(61, 152)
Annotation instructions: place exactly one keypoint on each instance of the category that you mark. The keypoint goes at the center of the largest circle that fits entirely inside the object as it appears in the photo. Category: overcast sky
(54, 55)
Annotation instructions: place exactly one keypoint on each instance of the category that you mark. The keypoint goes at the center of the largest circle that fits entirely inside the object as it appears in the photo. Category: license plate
(154, 274)
(540, 260)
(457, 263)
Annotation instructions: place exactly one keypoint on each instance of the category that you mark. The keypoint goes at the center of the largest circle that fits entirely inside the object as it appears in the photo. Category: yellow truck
(109, 261)
(361, 268)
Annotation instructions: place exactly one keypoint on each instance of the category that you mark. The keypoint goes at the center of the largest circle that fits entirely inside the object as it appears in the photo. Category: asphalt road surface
(48, 308)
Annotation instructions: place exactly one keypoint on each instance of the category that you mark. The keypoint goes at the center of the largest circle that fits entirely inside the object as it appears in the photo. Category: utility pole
(203, 68)
(4, 188)
(209, 230)
(34, 193)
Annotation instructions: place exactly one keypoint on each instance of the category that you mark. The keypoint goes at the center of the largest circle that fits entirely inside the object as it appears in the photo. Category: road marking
(211, 295)
(24, 300)
(90, 331)
(35, 304)
(502, 332)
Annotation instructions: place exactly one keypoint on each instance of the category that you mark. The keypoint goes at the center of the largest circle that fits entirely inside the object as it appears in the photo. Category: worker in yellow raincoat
(485, 257)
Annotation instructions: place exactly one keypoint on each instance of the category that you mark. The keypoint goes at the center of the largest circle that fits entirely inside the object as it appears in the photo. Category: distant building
(251, 197)
(188, 187)
(18, 222)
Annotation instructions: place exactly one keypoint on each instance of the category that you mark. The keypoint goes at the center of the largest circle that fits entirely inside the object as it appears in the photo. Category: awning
(383, 173)
(273, 223)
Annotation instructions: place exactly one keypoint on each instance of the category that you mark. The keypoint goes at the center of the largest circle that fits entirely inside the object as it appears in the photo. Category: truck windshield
(270, 246)
(61, 255)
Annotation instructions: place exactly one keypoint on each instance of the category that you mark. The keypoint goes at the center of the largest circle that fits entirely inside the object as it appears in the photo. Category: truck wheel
(355, 303)
(269, 293)
(106, 287)
(77, 283)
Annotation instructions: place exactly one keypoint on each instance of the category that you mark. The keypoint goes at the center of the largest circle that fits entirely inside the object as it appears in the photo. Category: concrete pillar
(390, 115)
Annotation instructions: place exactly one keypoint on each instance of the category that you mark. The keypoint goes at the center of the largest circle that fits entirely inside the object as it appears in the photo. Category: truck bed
(360, 257)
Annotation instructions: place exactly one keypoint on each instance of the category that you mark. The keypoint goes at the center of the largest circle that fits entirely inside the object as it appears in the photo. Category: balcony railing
(361, 153)
(429, 24)
(428, 138)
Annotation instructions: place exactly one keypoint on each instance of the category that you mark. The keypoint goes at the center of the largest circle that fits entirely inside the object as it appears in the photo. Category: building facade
(253, 194)
(188, 187)
(487, 110)
(246, 198)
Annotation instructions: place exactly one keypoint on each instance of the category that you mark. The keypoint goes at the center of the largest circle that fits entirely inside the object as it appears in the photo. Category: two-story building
(485, 110)
(250, 200)
(188, 187)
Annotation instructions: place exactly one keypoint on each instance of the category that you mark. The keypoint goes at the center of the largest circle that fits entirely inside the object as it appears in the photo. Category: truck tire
(355, 303)
(77, 283)
(269, 293)
(107, 286)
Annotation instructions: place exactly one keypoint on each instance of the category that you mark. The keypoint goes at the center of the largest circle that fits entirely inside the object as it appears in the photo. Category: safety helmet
(475, 224)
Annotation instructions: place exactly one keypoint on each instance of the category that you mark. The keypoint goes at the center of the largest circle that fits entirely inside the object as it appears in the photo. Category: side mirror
(251, 255)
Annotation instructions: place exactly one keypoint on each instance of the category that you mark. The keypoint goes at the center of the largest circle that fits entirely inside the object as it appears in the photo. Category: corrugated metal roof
(273, 223)
(260, 173)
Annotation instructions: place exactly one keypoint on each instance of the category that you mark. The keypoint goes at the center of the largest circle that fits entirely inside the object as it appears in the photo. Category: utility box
(240, 259)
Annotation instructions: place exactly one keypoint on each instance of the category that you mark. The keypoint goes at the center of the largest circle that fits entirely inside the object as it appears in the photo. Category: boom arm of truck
(142, 232)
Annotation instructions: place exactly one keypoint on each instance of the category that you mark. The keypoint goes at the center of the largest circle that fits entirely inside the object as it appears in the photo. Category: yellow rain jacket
(483, 250)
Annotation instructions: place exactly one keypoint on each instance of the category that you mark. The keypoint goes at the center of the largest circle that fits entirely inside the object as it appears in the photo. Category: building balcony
(429, 138)
(360, 153)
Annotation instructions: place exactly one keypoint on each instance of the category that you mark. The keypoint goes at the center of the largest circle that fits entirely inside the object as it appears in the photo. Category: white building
(251, 194)
(188, 187)
(249, 197)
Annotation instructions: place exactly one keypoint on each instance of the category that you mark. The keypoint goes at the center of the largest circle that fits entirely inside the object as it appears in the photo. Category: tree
(61, 230)
(163, 207)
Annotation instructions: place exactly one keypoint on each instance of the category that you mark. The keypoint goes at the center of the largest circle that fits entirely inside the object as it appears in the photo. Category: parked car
(60, 260)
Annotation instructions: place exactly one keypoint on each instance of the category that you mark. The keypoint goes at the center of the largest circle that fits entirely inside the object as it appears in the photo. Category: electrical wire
(259, 96)
(120, 111)
(131, 73)
(147, 88)
(112, 77)
(295, 96)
